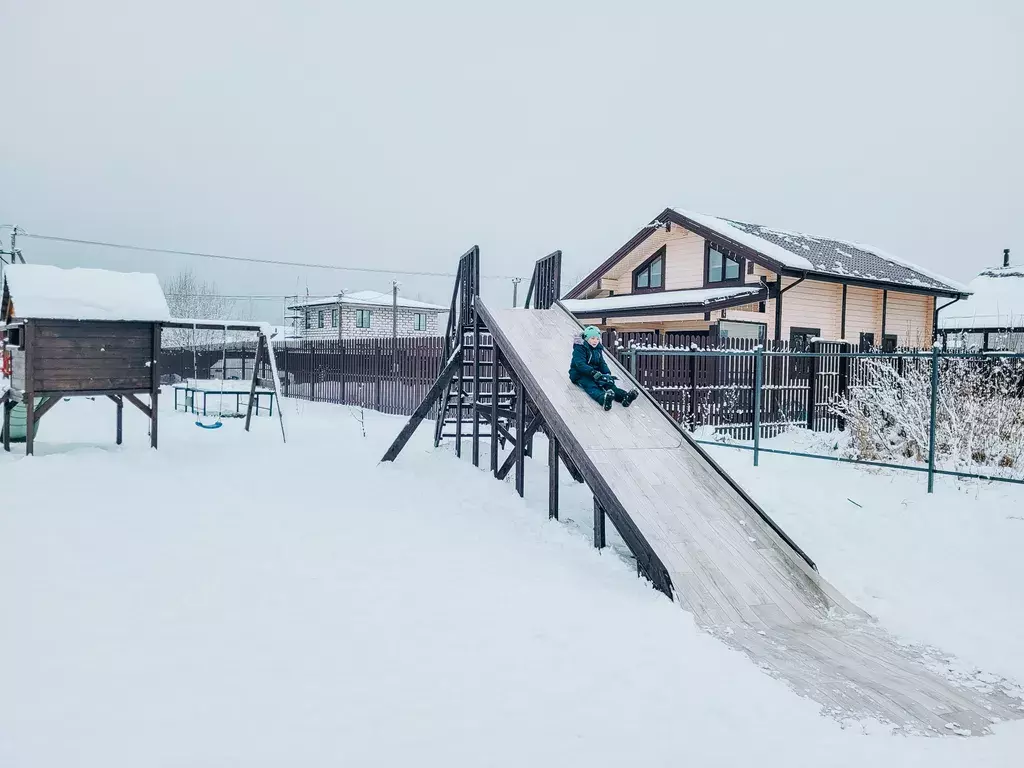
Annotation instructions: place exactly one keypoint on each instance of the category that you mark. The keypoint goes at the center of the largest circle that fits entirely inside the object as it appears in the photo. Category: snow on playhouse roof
(42, 291)
(825, 255)
(695, 299)
(997, 302)
(368, 298)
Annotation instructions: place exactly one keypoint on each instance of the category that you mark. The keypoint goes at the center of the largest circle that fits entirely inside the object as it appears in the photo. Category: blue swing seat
(216, 425)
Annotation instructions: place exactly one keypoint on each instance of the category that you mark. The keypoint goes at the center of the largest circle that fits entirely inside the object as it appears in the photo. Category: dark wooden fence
(385, 374)
(716, 388)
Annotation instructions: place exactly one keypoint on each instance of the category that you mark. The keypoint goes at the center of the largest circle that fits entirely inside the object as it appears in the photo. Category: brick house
(363, 314)
(690, 274)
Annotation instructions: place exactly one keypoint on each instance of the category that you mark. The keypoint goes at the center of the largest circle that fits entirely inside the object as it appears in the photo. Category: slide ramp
(703, 540)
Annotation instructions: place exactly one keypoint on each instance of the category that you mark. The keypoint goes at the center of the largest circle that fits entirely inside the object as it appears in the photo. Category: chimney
(1006, 257)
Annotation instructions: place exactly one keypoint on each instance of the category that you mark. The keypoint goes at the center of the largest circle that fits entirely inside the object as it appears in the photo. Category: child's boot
(609, 398)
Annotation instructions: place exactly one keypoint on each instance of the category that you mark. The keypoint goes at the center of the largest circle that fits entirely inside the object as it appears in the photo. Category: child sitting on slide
(590, 372)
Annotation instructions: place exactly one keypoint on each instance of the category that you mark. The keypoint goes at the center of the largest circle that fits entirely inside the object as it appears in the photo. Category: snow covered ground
(229, 600)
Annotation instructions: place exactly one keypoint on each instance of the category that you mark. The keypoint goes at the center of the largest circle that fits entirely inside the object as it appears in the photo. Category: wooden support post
(260, 351)
(510, 462)
(8, 406)
(154, 395)
(476, 386)
(552, 477)
(119, 402)
(599, 537)
(30, 424)
(458, 402)
(494, 408)
(521, 436)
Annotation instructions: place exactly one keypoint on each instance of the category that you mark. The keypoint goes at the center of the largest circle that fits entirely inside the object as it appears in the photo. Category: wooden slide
(705, 542)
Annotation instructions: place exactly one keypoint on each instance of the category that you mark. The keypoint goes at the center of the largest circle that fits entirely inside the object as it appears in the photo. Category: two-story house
(361, 314)
(690, 274)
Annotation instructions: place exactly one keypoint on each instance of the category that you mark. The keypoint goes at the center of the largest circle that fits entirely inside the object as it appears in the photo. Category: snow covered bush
(979, 417)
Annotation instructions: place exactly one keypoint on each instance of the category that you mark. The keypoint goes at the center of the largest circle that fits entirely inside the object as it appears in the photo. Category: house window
(309, 318)
(800, 341)
(320, 319)
(362, 318)
(723, 266)
(738, 330)
(650, 276)
(889, 342)
(334, 318)
(867, 342)
(419, 321)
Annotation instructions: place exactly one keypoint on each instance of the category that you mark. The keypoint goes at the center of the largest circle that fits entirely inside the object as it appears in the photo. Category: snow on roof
(997, 302)
(825, 255)
(700, 296)
(368, 298)
(42, 291)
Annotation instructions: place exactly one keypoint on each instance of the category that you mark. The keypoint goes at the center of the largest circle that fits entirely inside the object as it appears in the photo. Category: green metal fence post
(931, 426)
(758, 375)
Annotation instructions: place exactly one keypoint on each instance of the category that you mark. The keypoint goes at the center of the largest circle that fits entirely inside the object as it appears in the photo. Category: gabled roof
(368, 299)
(667, 302)
(997, 302)
(793, 253)
(45, 292)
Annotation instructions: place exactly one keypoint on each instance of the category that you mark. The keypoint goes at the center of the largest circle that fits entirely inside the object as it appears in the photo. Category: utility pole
(515, 290)
(14, 253)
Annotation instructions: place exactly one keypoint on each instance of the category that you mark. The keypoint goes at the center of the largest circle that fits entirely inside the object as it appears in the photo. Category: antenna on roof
(1006, 257)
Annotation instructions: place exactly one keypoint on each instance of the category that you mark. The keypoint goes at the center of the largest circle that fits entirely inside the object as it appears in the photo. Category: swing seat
(216, 425)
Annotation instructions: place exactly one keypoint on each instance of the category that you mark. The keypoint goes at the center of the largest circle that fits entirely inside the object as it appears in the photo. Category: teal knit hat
(590, 332)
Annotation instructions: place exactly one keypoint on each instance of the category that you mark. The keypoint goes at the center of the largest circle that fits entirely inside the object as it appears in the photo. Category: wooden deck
(725, 563)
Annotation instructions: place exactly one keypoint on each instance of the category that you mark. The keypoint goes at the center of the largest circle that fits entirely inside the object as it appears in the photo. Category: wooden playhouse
(79, 332)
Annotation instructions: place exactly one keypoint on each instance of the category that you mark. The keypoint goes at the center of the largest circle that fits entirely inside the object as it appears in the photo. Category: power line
(249, 259)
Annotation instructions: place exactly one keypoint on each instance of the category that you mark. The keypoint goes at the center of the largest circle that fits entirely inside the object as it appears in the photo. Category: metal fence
(913, 404)
(385, 374)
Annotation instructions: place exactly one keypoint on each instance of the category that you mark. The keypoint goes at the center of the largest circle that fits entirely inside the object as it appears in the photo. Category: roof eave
(682, 308)
(828, 277)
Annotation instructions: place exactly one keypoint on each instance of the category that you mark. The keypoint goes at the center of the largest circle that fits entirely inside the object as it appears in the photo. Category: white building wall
(380, 322)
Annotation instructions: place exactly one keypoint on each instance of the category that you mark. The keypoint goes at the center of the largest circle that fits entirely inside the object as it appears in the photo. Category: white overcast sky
(400, 134)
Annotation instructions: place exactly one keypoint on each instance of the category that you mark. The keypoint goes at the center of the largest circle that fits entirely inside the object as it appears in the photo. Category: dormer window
(722, 266)
(650, 276)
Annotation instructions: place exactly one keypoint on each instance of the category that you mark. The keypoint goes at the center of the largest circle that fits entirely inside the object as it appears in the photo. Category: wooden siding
(909, 316)
(812, 304)
(863, 313)
(74, 356)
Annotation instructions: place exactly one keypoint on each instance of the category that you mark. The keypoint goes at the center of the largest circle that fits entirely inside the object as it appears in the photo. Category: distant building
(993, 317)
(364, 314)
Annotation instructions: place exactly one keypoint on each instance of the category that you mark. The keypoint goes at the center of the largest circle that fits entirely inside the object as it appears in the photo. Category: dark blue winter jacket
(587, 361)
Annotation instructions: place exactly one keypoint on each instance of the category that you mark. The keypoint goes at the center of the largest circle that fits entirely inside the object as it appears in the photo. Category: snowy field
(229, 600)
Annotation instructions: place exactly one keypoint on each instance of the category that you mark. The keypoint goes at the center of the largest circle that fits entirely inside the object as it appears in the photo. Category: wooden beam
(510, 460)
(43, 408)
(552, 477)
(599, 531)
(134, 400)
(438, 389)
(842, 322)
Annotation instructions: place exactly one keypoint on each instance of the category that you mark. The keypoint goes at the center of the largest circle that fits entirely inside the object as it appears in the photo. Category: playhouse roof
(42, 291)
(997, 302)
